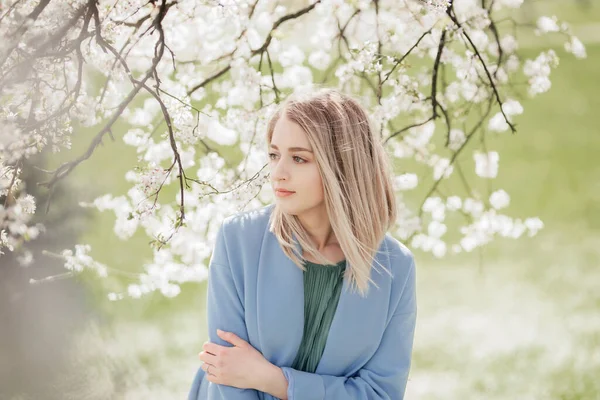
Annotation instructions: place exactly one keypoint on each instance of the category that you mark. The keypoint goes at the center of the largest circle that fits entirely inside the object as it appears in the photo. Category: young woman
(310, 298)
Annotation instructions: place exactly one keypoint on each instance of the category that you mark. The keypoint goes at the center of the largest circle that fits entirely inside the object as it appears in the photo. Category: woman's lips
(283, 193)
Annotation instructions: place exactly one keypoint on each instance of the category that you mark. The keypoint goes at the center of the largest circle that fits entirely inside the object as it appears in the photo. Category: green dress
(322, 288)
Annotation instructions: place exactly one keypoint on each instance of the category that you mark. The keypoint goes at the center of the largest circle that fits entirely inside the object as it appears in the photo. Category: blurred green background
(518, 319)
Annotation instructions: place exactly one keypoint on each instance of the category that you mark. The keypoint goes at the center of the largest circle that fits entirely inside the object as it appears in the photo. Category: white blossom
(512, 107)
(509, 43)
(453, 203)
(319, 59)
(442, 168)
(436, 229)
(576, 47)
(436, 207)
(534, 225)
(468, 243)
(439, 249)
(538, 71)
(220, 134)
(420, 136)
(499, 199)
(486, 164)
(472, 206)
(457, 139)
(292, 55)
(81, 260)
(4, 241)
(406, 181)
(25, 259)
(26, 204)
(547, 24)
(498, 123)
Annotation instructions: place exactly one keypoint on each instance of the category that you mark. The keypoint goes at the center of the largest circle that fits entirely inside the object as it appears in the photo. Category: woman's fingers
(212, 348)
(206, 366)
(210, 356)
(207, 357)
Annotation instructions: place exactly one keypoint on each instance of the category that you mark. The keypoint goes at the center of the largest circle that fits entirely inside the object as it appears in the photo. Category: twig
(487, 72)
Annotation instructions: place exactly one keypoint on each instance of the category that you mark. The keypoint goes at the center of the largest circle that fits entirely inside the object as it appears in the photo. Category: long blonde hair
(357, 181)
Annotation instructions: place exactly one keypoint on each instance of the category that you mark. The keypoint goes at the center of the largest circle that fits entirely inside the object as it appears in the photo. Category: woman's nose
(279, 171)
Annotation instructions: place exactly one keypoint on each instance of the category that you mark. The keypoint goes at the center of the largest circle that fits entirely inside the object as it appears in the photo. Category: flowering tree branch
(194, 84)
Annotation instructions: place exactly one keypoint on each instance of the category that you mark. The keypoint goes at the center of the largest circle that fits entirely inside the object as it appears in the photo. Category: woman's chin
(287, 208)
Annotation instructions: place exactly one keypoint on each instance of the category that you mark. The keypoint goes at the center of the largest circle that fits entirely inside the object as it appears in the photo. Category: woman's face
(293, 167)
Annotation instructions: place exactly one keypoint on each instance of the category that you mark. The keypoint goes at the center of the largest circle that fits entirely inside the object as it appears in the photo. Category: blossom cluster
(195, 83)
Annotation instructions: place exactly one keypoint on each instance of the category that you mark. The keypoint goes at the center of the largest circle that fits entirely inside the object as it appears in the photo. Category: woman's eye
(297, 159)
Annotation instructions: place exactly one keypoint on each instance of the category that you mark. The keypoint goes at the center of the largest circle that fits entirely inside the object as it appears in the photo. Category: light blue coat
(257, 292)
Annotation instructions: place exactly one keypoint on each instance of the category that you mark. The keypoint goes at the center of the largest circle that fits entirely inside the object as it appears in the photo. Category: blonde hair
(357, 181)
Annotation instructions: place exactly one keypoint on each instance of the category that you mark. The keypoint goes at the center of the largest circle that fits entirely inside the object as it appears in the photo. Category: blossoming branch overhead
(195, 82)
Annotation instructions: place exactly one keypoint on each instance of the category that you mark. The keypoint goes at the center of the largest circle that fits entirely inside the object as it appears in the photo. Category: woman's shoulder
(248, 219)
(399, 254)
(240, 236)
(247, 223)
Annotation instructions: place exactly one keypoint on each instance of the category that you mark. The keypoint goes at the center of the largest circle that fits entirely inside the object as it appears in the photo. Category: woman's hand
(241, 366)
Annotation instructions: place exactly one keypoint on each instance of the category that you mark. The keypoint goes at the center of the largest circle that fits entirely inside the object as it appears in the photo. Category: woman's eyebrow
(293, 149)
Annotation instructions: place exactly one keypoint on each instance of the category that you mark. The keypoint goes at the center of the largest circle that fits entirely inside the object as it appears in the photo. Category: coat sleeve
(383, 377)
(225, 309)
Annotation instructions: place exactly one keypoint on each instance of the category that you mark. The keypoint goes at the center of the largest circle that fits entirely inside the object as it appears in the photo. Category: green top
(322, 289)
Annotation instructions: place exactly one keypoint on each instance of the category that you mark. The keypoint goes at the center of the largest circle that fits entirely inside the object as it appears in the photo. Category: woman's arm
(226, 312)
(275, 383)
(383, 377)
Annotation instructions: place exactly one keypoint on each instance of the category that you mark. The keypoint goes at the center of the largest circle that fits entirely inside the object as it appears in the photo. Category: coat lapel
(280, 315)
(352, 337)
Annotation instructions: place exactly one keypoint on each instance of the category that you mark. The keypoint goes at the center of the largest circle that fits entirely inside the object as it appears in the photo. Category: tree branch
(487, 72)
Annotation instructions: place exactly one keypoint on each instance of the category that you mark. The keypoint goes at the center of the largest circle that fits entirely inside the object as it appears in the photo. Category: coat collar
(280, 297)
